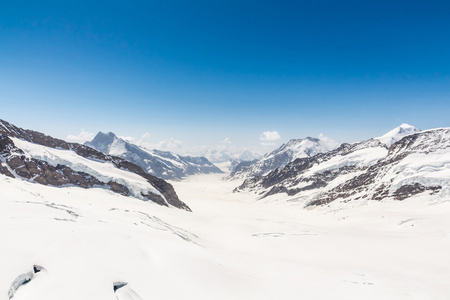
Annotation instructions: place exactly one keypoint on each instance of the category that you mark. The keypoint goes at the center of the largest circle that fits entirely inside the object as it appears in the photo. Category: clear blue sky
(202, 71)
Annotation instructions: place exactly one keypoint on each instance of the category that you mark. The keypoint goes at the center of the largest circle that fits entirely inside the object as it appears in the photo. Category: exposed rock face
(409, 190)
(15, 164)
(416, 164)
(386, 177)
(241, 166)
(118, 188)
(162, 164)
(296, 177)
(296, 148)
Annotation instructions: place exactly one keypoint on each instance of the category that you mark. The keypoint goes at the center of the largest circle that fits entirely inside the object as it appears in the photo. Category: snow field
(230, 247)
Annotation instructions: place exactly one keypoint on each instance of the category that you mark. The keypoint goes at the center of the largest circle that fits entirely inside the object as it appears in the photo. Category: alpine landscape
(252, 150)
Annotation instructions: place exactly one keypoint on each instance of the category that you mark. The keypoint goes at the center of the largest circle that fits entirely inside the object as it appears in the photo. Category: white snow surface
(117, 147)
(103, 171)
(431, 169)
(397, 134)
(304, 148)
(362, 158)
(229, 247)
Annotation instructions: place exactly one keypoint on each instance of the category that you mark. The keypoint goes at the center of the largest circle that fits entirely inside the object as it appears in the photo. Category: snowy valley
(368, 220)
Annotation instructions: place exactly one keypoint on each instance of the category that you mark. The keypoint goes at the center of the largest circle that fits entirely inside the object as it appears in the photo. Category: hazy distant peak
(163, 164)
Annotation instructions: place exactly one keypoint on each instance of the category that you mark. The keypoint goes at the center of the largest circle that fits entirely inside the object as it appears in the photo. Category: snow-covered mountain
(222, 156)
(295, 148)
(417, 164)
(227, 160)
(100, 242)
(38, 158)
(397, 134)
(162, 164)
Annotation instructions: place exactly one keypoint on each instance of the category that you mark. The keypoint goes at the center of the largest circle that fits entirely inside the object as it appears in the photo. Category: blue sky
(203, 71)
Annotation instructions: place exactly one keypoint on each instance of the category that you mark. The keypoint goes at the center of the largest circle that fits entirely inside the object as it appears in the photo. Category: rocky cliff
(15, 162)
(418, 163)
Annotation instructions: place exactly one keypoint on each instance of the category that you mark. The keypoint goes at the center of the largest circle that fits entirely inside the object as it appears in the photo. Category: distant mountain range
(221, 156)
(403, 163)
(162, 164)
(295, 148)
(227, 160)
(42, 159)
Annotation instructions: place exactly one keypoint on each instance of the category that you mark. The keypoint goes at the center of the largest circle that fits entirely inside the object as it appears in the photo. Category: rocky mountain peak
(162, 164)
(288, 152)
(58, 171)
(417, 164)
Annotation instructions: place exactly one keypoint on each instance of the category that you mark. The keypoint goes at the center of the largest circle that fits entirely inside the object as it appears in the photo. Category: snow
(230, 247)
(431, 169)
(103, 171)
(362, 158)
(222, 156)
(397, 134)
(117, 147)
(304, 148)
(164, 160)
(295, 148)
(224, 166)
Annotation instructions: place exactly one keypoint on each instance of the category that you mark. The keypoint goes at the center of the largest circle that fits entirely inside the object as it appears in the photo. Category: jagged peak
(397, 134)
(102, 135)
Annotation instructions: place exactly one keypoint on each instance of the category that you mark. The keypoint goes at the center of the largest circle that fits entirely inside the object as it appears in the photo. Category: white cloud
(169, 144)
(144, 141)
(80, 138)
(226, 144)
(329, 141)
(145, 137)
(270, 136)
(227, 141)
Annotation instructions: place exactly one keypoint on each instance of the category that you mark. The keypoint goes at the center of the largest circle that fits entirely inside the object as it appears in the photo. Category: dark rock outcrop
(42, 172)
(409, 190)
(293, 173)
(369, 185)
(347, 179)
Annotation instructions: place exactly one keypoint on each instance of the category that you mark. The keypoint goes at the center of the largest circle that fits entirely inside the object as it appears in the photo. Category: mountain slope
(296, 148)
(416, 164)
(162, 164)
(36, 157)
(397, 134)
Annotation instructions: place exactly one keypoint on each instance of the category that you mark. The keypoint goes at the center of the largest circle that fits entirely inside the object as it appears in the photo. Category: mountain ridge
(14, 158)
(286, 153)
(163, 164)
(366, 170)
